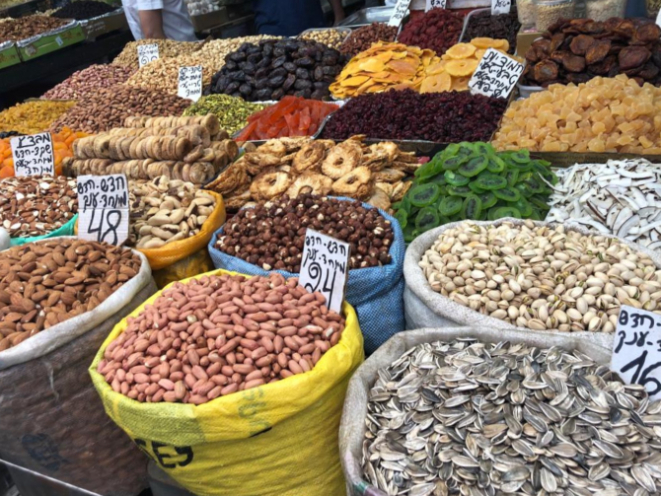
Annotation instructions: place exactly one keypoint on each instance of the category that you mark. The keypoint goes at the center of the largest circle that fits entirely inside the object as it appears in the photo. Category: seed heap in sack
(374, 284)
(234, 385)
(52, 324)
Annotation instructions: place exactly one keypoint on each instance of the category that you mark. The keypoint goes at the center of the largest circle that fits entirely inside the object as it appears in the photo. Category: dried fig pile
(577, 50)
(276, 68)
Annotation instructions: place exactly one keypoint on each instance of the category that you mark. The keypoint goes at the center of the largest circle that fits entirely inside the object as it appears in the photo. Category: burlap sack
(352, 427)
(424, 307)
(51, 418)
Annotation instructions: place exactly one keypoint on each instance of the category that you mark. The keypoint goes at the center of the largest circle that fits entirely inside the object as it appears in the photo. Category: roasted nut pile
(362, 38)
(108, 107)
(83, 83)
(329, 37)
(165, 210)
(26, 27)
(577, 50)
(217, 335)
(163, 74)
(36, 205)
(166, 48)
(602, 115)
(232, 112)
(48, 282)
(272, 234)
(32, 117)
(467, 417)
(273, 69)
(543, 277)
(437, 29)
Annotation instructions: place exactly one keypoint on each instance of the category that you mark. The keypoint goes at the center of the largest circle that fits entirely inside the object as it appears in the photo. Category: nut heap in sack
(219, 334)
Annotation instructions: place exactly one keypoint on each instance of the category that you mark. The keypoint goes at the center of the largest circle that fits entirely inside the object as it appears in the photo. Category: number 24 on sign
(637, 349)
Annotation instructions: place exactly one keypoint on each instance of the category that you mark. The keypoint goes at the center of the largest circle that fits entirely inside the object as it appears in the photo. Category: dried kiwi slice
(523, 206)
(507, 212)
(427, 219)
(490, 181)
(403, 204)
(429, 170)
(453, 163)
(455, 179)
(507, 194)
(496, 164)
(450, 205)
(402, 218)
(472, 207)
(410, 233)
(524, 190)
(520, 157)
(488, 199)
(459, 191)
(475, 188)
(512, 177)
(424, 194)
(535, 185)
(539, 204)
(474, 166)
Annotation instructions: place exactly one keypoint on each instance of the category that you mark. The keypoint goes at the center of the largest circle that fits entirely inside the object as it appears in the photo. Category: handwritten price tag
(147, 53)
(496, 75)
(435, 4)
(401, 9)
(103, 207)
(33, 154)
(637, 349)
(190, 82)
(500, 7)
(325, 267)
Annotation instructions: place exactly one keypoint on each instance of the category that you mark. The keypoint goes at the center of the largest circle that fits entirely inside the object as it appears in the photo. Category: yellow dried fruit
(461, 51)
(436, 83)
(486, 43)
(32, 117)
(461, 67)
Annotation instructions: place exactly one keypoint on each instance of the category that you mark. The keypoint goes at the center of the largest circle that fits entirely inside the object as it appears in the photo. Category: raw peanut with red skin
(207, 359)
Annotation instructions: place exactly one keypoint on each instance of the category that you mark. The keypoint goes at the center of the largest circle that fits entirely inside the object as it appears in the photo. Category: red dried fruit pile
(438, 30)
(291, 116)
(408, 115)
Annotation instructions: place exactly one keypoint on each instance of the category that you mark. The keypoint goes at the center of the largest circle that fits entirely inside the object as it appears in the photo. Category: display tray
(8, 54)
(367, 16)
(42, 44)
(107, 23)
(341, 29)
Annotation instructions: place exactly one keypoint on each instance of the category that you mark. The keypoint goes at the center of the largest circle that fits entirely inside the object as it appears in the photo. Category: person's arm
(151, 22)
(338, 11)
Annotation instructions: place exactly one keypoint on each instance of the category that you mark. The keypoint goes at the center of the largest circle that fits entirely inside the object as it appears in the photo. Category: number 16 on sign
(637, 349)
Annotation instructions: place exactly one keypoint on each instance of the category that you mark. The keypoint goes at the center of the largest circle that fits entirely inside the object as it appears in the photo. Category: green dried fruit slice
(520, 157)
(490, 181)
(507, 212)
(523, 206)
(473, 167)
(535, 185)
(524, 190)
(536, 215)
(453, 163)
(507, 194)
(539, 203)
(450, 151)
(424, 194)
(484, 148)
(459, 191)
(402, 218)
(403, 204)
(488, 199)
(512, 177)
(472, 207)
(429, 170)
(450, 205)
(426, 219)
(455, 179)
(496, 164)
(475, 188)
(442, 219)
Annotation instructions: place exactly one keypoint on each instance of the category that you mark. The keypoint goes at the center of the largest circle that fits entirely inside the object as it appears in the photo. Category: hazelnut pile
(271, 235)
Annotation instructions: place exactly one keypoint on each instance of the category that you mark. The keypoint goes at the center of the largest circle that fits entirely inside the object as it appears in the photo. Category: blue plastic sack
(66, 230)
(377, 293)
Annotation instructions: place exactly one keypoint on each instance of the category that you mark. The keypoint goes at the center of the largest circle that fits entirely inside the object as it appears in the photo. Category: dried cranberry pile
(500, 27)
(408, 115)
(438, 30)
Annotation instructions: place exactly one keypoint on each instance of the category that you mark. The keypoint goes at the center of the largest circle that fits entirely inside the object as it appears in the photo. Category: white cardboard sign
(103, 208)
(401, 9)
(637, 349)
(500, 7)
(190, 82)
(325, 267)
(435, 4)
(33, 154)
(147, 53)
(496, 75)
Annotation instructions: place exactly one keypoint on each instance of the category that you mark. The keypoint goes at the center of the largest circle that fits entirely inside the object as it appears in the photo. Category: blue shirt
(287, 17)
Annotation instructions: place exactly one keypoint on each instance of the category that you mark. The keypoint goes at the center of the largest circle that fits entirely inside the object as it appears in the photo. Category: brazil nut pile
(36, 205)
(165, 210)
(217, 335)
(272, 234)
(50, 281)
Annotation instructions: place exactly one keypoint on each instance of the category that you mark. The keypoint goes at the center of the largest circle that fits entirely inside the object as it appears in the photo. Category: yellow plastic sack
(280, 439)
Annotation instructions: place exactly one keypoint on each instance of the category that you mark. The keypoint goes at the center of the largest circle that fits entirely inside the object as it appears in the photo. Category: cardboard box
(47, 43)
(8, 55)
(524, 40)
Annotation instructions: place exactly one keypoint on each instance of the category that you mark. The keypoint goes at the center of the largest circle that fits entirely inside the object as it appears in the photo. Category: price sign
(103, 208)
(500, 7)
(325, 267)
(637, 349)
(435, 4)
(59, 41)
(496, 75)
(401, 9)
(33, 154)
(190, 82)
(147, 53)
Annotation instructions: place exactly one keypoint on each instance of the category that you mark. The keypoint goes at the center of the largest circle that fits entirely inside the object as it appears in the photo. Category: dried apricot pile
(384, 66)
(602, 115)
(291, 116)
(458, 64)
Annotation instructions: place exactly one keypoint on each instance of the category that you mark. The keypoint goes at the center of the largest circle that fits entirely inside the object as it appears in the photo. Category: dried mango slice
(461, 51)
(372, 65)
(461, 67)
(436, 83)
(354, 81)
(436, 68)
(485, 42)
(402, 67)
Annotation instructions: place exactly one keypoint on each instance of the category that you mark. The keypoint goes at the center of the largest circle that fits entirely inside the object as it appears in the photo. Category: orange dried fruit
(460, 83)
(463, 67)
(479, 53)
(354, 81)
(485, 42)
(461, 51)
(402, 67)
(436, 83)
(436, 68)
(372, 65)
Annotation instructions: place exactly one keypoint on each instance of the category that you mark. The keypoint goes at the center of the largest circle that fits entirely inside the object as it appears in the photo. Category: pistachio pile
(232, 111)
(541, 277)
(165, 210)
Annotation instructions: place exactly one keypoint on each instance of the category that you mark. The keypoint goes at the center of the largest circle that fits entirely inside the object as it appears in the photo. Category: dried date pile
(272, 234)
(438, 30)
(577, 50)
(276, 68)
(502, 27)
(440, 117)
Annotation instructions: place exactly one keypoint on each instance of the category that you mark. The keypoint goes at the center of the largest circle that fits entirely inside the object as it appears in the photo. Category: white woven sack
(4, 239)
(424, 307)
(352, 426)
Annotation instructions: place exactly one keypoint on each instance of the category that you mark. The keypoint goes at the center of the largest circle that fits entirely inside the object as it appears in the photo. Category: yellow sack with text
(280, 439)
